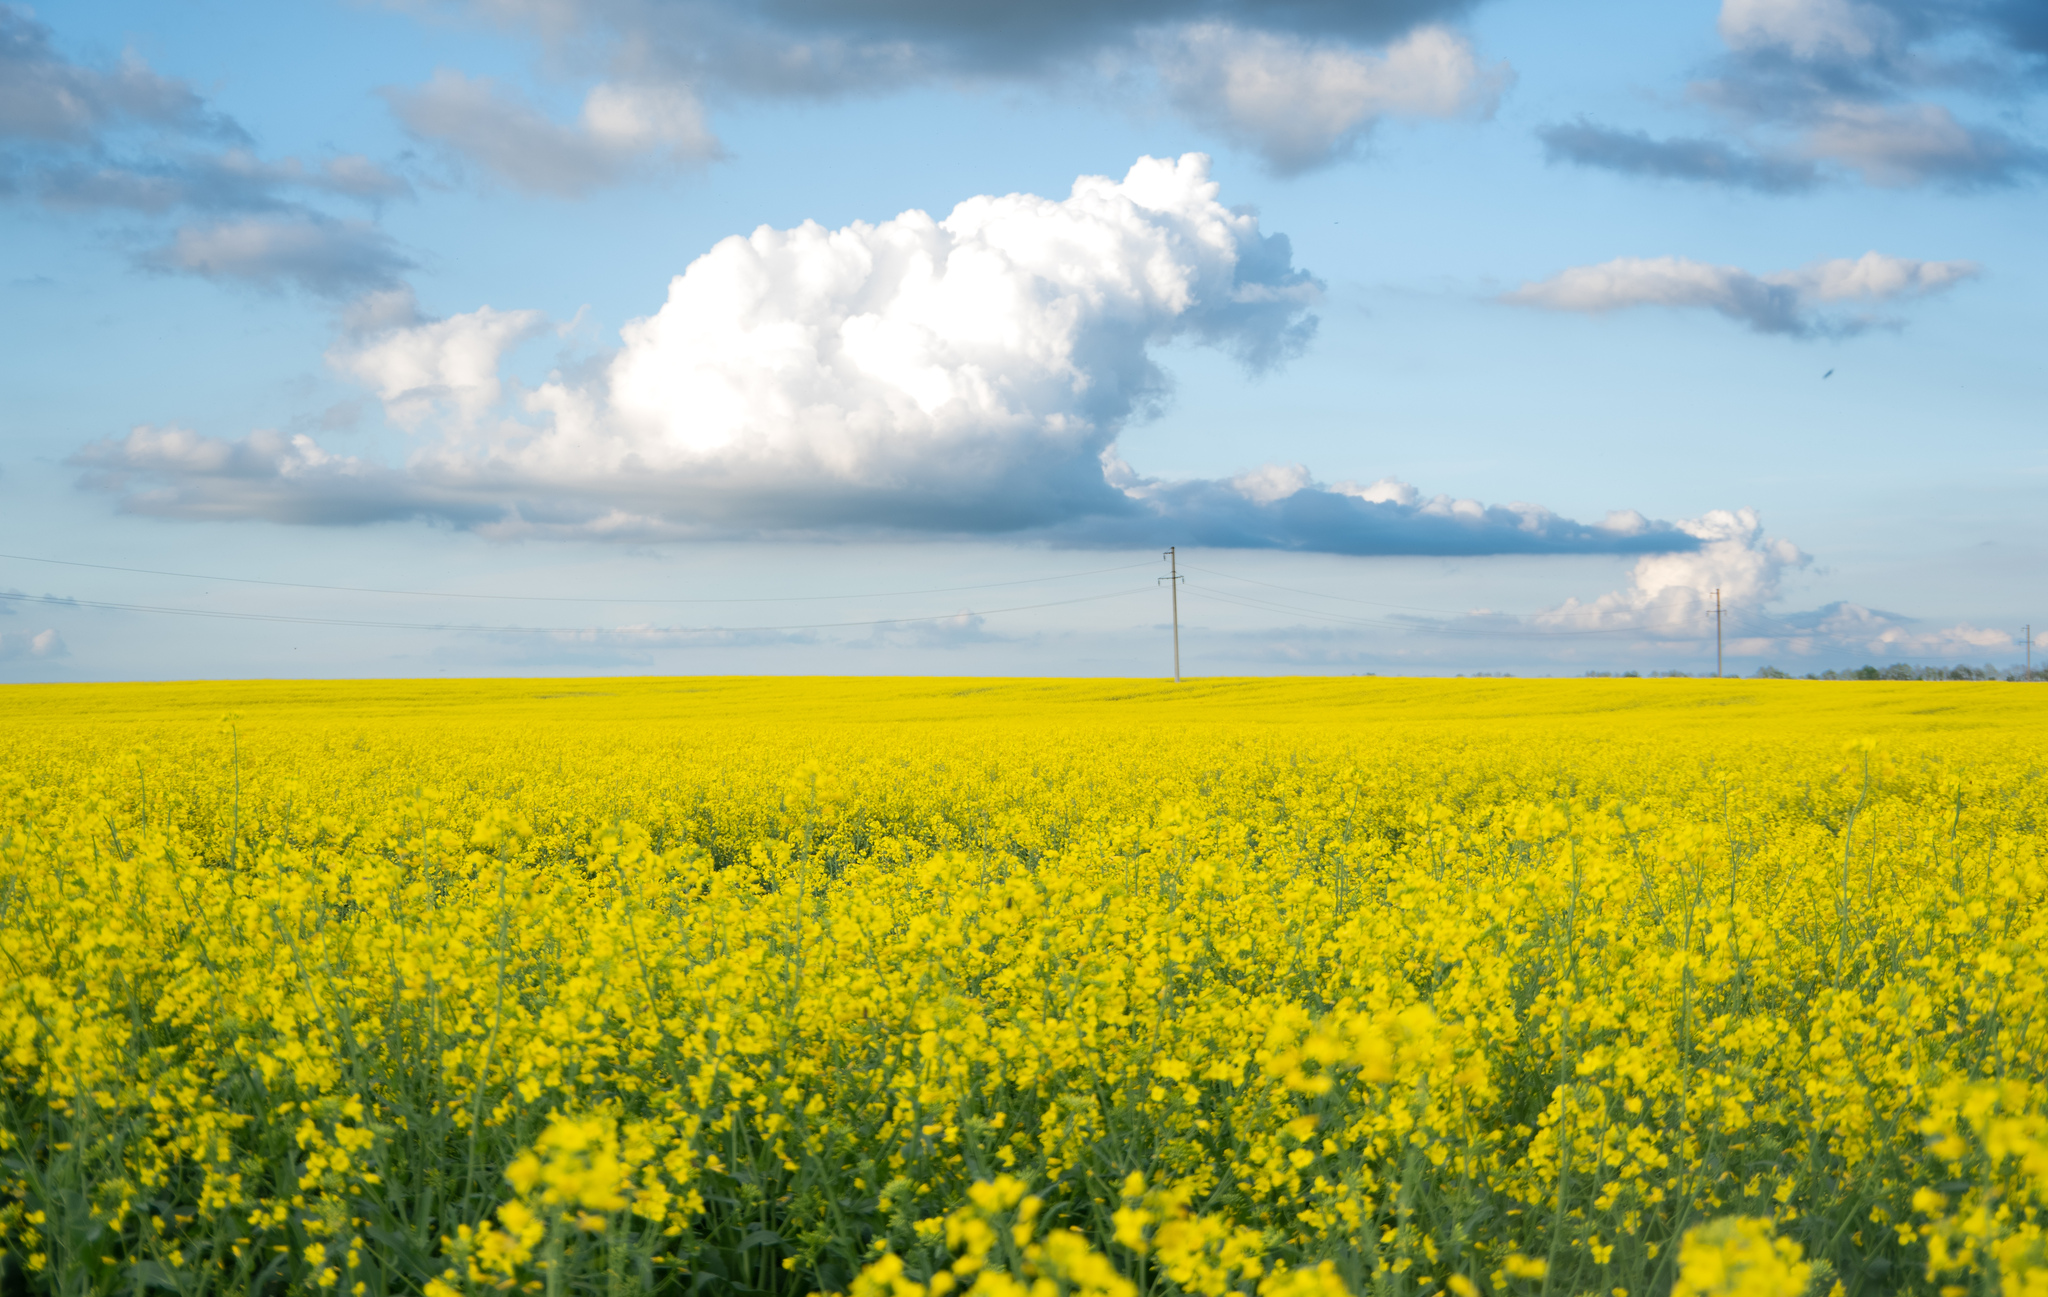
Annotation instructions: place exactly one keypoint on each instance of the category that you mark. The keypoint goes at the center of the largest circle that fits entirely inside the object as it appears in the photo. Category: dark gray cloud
(1710, 161)
(822, 47)
(2025, 25)
(1010, 32)
(1300, 83)
(1879, 91)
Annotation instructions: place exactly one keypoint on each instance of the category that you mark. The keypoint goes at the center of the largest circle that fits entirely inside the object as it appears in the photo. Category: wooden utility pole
(1173, 583)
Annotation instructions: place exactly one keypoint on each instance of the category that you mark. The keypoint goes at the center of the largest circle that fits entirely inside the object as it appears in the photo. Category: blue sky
(588, 336)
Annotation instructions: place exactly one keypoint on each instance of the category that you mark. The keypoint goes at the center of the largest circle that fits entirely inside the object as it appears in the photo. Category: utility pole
(2030, 652)
(1717, 632)
(1173, 583)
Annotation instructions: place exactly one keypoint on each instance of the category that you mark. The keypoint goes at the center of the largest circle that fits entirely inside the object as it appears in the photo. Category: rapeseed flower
(910, 988)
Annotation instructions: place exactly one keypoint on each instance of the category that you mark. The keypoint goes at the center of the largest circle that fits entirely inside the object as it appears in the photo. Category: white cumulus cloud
(964, 374)
(979, 362)
(1782, 302)
(1673, 593)
(1301, 102)
(1671, 598)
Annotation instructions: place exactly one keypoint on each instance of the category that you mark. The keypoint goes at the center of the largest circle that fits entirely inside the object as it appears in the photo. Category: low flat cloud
(1283, 506)
(964, 375)
(1796, 303)
(960, 631)
(623, 131)
(173, 472)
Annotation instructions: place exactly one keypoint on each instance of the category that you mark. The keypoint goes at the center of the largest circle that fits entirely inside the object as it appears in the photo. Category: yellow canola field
(900, 988)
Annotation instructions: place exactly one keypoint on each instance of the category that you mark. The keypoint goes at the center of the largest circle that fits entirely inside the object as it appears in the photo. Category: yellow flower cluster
(1738, 1257)
(911, 988)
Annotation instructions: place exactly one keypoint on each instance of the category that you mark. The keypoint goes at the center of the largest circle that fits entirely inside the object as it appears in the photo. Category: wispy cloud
(124, 139)
(624, 131)
(234, 180)
(47, 98)
(320, 255)
(1695, 158)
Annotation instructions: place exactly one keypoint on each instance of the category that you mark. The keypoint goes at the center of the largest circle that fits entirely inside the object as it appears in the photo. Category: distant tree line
(1896, 671)
(1907, 671)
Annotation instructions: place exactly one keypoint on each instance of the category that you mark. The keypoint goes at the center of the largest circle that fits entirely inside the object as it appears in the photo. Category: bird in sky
(1829, 374)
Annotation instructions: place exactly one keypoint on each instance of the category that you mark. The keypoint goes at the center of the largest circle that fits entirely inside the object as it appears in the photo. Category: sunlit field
(898, 987)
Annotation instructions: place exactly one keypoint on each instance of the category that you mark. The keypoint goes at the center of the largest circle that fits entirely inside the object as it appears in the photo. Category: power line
(535, 630)
(1430, 628)
(1374, 603)
(551, 598)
